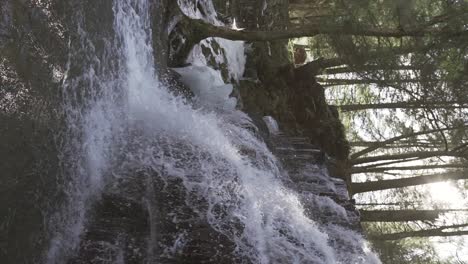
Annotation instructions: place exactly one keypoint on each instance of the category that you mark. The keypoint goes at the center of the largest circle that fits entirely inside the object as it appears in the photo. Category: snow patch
(229, 53)
(235, 27)
(208, 87)
(235, 56)
(233, 52)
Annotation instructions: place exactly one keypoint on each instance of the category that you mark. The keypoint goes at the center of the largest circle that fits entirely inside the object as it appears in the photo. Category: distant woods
(405, 102)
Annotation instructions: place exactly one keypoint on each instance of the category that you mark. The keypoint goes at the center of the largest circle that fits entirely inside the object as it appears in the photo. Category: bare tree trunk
(402, 105)
(403, 215)
(367, 68)
(421, 167)
(335, 81)
(439, 232)
(385, 204)
(398, 138)
(204, 30)
(375, 165)
(316, 67)
(417, 154)
(369, 186)
(401, 145)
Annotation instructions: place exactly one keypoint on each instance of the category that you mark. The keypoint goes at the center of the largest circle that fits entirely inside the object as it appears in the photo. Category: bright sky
(447, 194)
(444, 194)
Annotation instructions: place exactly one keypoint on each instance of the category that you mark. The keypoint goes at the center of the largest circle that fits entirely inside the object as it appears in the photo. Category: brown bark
(316, 67)
(369, 186)
(204, 30)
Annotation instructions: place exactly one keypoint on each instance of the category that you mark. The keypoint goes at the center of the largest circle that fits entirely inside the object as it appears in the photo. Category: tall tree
(404, 105)
(404, 215)
(408, 168)
(360, 187)
(439, 232)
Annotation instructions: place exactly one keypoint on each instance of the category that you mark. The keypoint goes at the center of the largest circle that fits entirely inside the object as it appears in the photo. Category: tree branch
(205, 30)
(391, 140)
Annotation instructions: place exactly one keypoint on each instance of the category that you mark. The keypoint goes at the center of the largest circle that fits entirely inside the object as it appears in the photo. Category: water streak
(217, 155)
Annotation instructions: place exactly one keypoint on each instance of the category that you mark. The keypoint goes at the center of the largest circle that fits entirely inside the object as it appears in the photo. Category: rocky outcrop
(34, 39)
(272, 85)
(311, 173)
(298, 102)
(32, 59)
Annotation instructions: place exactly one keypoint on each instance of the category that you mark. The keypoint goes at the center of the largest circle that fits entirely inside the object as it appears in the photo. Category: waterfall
(125, 126)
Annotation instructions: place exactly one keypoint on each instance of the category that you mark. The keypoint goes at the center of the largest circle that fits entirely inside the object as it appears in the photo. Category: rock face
(34, 39)
(310, 174)
(272, 85)
(314, 138)
(32, 57)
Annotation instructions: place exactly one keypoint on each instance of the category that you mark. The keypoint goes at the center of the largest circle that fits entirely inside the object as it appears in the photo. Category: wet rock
(116, 232)
(321, 190)
(173, 81)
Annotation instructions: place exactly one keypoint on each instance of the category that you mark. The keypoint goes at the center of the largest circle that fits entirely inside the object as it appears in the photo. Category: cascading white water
(215, 153)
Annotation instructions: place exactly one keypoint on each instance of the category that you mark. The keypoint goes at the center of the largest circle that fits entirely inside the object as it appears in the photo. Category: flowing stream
(125, 128)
